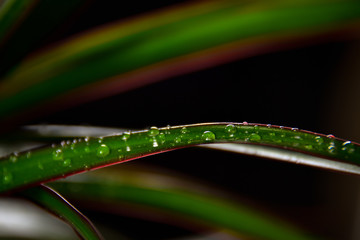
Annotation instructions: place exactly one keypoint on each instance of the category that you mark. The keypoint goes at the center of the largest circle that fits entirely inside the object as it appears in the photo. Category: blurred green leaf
(51, 201)
(129, 54)
(113, 189)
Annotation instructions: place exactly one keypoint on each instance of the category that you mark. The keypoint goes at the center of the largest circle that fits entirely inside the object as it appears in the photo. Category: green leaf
(160, 45)
(111, 188)
(54, 203)
(25, 25)
(83, 154)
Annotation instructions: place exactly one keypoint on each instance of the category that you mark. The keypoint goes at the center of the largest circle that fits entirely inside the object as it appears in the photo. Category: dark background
(311, 87)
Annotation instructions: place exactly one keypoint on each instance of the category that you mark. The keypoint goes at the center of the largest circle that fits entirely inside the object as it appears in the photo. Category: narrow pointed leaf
(108, 189)
(51, 201)
(147, 49)
(83, 154)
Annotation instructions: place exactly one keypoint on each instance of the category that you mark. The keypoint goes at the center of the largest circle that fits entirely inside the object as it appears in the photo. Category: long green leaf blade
(51, 201)
(154, 41)
(24, 25)
(105, 189)
(89, 153)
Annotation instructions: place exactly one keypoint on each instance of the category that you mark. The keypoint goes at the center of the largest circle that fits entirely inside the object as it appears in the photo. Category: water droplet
(297, 137)
(13, 157)
(153, 131)
(295, 129)
(268, 125)
(348, 147)
(63, 143)
(167, 129)
(120, 154)
(102, 151)
(254, 137)
(177, 140)
(281, 127)
(245, 123)
(87, 149)
(126, 136)
(308, 147)
(87, 139)
(67, 162)
(40, 166)
(73, 146)
(330, 136)
(58, 154)
(100, 139)
(230, 128)
(128, 149)
(319, 140)
(155, 143)
(331, 148)
(184, 130)
(208, 136)
(161, 138)
(7, 178)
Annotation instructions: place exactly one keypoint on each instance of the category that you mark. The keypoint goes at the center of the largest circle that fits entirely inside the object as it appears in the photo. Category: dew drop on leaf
(155, 143)
(161, 138)
(67, 162)
(208, 136)
(40, 166)
(102, 151)
(254, 137)
(7, 177)
(332, 148)
(308, 147)
(230, 128)
(128, 148)
(177, 140)
(13, 157)
(87, 149)
(153, 131)
(298, 137)
(319, 140)
(348, 147)
(126, 136)
(245, 123)
(58, 154)
(184, 130)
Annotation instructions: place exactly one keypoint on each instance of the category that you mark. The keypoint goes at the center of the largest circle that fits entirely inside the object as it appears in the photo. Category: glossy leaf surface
(70, 157)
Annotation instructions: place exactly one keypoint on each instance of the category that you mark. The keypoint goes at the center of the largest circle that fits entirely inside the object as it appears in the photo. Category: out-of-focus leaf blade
(12, 12)
(70, 157)
(175, 197)
(126, 55)
(24, 25)
(51, 201)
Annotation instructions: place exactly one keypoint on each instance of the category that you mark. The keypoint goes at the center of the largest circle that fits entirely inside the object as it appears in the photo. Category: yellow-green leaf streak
(83, 154)
(49, 75)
